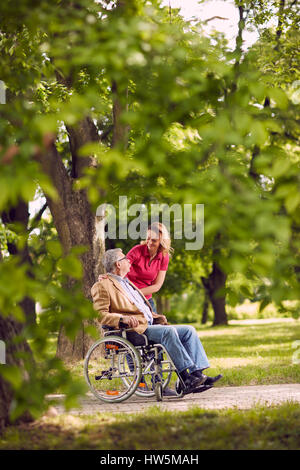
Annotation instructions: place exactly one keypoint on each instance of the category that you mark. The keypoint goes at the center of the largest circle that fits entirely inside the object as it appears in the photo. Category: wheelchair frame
(115, 368)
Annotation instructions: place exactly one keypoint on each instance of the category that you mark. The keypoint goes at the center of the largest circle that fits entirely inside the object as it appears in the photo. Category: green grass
(259, 428)
(253, 354)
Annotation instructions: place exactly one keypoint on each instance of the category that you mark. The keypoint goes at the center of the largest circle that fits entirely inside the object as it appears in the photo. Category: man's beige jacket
(112, 302)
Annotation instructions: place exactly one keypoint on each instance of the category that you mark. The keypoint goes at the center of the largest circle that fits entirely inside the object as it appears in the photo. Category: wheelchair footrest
(202, 388)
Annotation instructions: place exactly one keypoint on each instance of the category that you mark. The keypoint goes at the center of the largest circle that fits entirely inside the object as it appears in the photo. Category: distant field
(253, 352)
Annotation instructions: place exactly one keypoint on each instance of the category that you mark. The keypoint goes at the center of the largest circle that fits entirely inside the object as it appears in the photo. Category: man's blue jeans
(182, 344)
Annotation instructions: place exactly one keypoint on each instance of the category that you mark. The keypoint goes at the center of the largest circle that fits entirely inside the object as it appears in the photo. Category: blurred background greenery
(115, 98)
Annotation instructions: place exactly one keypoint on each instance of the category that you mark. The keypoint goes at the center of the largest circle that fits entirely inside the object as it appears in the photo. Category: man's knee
(191, 330)
(170, 332)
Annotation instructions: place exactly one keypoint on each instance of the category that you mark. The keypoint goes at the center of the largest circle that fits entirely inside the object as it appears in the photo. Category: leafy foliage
(205, 125)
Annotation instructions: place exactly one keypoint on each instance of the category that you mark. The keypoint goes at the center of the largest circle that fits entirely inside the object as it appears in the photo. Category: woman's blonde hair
(165, 240)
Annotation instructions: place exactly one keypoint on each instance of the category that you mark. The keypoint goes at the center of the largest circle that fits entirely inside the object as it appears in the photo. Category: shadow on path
(214, 398)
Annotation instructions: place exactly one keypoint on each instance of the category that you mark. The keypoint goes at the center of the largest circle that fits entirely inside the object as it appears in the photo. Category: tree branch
(84, 132)
(38, 217)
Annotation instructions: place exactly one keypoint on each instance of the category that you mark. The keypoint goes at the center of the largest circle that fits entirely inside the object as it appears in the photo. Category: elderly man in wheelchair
(139, 350)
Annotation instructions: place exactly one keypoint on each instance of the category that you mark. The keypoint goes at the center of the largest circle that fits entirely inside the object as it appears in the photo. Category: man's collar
(117, 277)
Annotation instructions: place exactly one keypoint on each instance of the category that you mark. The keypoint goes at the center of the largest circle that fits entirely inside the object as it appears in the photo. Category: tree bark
(19, 214)
(159, 304)
(205, 308)
(9, 330)
(162, 304)
(120, 130)
(216, 281)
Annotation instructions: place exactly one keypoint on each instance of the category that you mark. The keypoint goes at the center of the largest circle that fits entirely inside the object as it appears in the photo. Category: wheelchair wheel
(146, 386)
(106, 380)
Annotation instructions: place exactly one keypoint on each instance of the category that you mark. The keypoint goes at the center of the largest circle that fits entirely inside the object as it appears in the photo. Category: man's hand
(132, 322)
(160, 320)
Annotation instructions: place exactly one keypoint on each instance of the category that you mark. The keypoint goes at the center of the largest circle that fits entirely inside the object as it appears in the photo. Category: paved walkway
(214, 398)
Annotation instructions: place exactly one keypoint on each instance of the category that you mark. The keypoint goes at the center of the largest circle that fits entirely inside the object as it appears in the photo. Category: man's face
(123, 264)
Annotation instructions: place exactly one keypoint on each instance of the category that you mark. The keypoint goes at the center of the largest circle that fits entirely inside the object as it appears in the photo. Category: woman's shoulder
(164, 261)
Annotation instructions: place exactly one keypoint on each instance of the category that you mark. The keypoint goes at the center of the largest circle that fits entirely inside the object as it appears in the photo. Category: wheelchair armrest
(135, 338)
(106, 327)
(110, 330)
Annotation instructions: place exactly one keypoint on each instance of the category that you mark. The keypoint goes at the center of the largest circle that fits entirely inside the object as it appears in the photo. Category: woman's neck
(152, 253)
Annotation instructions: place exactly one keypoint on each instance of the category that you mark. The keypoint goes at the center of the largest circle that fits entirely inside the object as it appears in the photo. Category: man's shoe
(202, 388)
(209, 380)
(212, 380)
(192, 382)
(168, 392)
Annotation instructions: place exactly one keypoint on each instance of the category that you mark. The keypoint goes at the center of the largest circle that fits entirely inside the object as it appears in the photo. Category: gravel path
(214, 398)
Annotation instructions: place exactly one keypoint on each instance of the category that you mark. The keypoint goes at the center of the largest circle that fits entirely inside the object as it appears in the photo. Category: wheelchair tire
(178, 388)
(102, 372)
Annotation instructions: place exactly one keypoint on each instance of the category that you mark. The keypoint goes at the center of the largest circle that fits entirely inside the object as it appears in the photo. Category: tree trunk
(205, 308)
(20, 214)
(76, 225)
(72, 216)
(216, 281)
(162, 304)
(120, 131)
(9, 330)
(159, 304)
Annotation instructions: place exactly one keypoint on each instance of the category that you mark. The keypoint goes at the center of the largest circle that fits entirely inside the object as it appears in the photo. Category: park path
(214, 398)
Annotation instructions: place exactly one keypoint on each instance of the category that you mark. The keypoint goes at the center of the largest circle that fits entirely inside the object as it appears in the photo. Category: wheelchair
(124, 362)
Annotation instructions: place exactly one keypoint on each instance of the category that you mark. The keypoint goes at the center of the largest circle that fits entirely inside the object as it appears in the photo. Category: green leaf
(279, 97)
(71, 266)
(54, 248)
(292, 202)
(12, 374)
(280, 167)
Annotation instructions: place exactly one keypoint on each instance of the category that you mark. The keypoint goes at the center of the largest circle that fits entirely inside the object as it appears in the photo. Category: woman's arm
(156, 285)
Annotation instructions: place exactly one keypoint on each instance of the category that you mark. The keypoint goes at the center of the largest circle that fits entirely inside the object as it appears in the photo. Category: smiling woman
(150, 260)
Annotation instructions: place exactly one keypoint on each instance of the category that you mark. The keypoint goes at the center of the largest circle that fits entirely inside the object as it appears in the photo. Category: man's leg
(190, 340)
(193, 346)
(169, 338)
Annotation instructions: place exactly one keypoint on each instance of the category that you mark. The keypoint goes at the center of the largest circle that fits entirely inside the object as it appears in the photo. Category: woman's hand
(102, 276)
